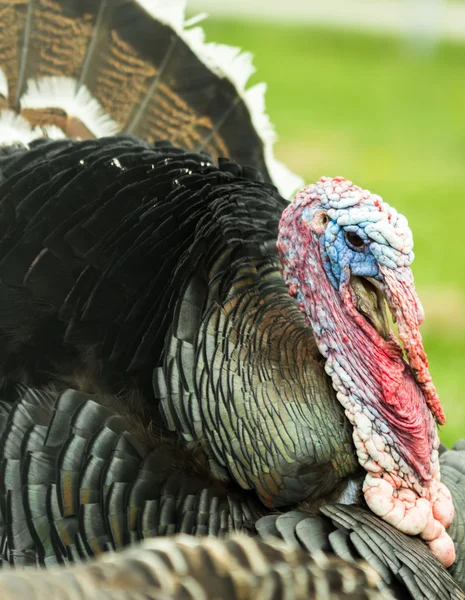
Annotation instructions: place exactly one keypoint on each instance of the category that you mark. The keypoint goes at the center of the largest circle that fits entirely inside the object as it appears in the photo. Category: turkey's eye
(321, 219)
(354, 240)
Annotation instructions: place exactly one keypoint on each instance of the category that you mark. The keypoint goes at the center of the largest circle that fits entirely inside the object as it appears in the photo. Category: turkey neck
(368, 373)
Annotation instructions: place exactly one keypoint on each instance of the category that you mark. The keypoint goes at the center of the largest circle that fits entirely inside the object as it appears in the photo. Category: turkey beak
(370, 301)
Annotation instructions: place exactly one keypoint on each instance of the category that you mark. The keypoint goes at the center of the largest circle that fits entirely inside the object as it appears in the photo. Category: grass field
(393, 121)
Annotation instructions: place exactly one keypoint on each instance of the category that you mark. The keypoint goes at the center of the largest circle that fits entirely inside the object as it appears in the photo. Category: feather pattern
(238, 567)
(79, 478)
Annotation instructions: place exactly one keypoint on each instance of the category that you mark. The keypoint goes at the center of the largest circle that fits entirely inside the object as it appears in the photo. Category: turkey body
(169, 267)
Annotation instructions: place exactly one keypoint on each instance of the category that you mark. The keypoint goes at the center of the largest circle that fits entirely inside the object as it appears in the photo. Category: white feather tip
(3, 84)
(170, 12)
(14, 129)
(63, 93)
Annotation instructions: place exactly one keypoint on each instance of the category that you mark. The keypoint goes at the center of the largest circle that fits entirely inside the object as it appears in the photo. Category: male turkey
(147, 272)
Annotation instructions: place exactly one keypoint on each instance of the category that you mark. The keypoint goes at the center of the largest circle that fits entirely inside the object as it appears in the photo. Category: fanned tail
(93, 68)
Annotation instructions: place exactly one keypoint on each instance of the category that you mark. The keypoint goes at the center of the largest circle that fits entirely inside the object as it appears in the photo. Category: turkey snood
(344, 254)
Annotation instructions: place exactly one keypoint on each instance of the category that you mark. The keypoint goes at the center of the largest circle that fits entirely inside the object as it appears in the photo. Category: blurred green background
(391, 119)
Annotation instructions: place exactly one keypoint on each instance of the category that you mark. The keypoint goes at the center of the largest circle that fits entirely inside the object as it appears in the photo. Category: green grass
(366, 108)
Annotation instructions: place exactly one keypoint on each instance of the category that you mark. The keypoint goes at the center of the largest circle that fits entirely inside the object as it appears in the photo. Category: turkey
(167, 316)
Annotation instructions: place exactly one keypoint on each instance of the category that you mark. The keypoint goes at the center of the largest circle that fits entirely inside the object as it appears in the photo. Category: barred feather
(183, 567)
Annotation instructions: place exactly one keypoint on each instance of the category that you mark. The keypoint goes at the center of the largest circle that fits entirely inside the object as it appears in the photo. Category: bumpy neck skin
(393, 427)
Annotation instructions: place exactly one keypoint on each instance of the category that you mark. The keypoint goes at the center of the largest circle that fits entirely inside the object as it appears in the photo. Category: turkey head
(346, 258)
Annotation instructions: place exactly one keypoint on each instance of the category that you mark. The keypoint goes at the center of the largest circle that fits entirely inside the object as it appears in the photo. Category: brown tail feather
(99, 67)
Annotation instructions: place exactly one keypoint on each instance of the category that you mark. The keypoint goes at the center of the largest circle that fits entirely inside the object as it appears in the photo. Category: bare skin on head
(346, 257)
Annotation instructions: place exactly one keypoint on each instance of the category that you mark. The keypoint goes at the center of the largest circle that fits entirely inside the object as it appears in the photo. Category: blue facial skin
(344, 258)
